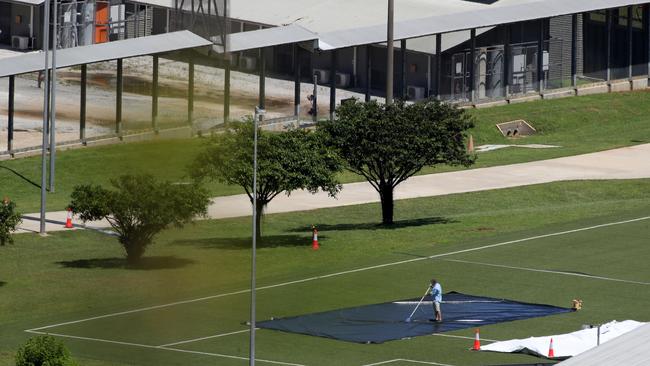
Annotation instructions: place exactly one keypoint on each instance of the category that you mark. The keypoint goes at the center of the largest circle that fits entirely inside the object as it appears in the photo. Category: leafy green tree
(139, 207)
(43, 351)
(287, 161)
(387, 144)
(9, 220)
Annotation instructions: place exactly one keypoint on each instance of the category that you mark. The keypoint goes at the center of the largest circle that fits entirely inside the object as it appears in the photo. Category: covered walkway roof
(343, 23)
(630, 349)
(134, 47)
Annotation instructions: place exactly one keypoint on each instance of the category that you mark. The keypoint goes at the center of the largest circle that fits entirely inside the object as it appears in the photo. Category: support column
(226, 92)
(296, 80)
(154, 95)
(608, 49)
(646, 31)
(10, 121)
(574, 51)
(82, 104)
(262, 87)
(472, 65)
(333, 84)
(118, 98)
(429, 76)
(438, 65)
(368, 71)
(540, 57)
(629, 44)
(190, 93)
(404, 79)
(507, 56)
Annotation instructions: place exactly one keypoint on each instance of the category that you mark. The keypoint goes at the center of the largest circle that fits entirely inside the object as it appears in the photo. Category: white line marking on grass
(347, 272)
(462, 337)
(406, 360)
(204, 338)
(550, 271)
(163, 348)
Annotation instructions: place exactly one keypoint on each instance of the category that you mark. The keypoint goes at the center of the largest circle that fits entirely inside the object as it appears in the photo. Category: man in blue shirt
(436, 297)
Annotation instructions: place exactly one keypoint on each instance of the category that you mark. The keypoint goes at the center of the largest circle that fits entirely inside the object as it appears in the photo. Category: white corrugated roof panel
(134, 47)
(630, 349)
(269, 37)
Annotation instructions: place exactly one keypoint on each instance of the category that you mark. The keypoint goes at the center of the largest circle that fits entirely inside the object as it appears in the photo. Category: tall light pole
(46, 110)
(389, 50)
(259, 112)
(53, 98)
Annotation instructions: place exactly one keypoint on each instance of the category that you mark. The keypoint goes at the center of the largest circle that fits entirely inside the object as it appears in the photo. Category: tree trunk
(134, 252)
(258, 220)
(386, 196)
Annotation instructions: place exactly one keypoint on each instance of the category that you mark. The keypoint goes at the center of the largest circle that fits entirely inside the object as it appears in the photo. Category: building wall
(5, 23)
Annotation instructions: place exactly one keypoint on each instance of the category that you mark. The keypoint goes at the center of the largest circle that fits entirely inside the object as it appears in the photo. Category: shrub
(9, 220)
(43, 351)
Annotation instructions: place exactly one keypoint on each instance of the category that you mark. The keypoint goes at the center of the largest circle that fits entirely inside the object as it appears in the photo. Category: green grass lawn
(75, 275)
(578, 125)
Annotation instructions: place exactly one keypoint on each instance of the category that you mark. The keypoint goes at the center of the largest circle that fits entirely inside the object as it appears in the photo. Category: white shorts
(436, 306)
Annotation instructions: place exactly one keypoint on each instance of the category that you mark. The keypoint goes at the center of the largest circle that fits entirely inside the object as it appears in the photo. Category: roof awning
(269, 37)
(150, 45)
(478, 18)
(26, 2)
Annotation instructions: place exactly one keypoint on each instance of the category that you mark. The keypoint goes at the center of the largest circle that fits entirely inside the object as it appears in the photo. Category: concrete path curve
(624, 163)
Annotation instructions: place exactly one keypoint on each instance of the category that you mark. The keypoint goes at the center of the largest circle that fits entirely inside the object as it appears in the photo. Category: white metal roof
(269, 37)
(27, 2)
(630, 349)
(134, 47)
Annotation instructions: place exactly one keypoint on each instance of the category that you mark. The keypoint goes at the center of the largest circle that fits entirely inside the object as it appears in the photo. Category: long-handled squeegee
(408, 320)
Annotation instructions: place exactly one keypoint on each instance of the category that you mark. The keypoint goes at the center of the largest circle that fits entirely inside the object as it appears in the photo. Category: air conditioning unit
(343, 80)
(415, 92)
(248, 63)
(18, 42)
(323, 76)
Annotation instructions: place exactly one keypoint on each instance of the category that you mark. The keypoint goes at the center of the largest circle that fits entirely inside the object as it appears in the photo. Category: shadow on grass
(146, 263)
(270, 241)
(21, 176)
(399, 224)
(2, 283)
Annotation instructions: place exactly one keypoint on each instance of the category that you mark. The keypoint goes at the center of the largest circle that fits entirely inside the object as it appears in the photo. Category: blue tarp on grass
(379, 323)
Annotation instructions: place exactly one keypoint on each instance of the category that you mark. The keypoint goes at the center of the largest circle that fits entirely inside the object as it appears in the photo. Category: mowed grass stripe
(510, 242)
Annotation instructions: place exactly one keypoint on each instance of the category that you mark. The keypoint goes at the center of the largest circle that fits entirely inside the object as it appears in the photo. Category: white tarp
(565, 345)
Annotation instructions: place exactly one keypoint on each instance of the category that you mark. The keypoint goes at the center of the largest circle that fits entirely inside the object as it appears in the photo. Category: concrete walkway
(624, 163)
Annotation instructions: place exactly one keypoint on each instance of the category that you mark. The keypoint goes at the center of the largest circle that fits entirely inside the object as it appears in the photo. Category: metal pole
(53, 99)
(10, 122)
(389, 53)
(438, 64)
(315, 99)
(46, 110)
(296, 80)
(598, 337)
(646, 30)
(333, 84)
(472, 65)
(540, 57)
(403, 81)
(574, 50)
(154, 95)
(118, 99)
(608, 49)
(629, 43)
(82, 108)
(226, 92)
(506, 62)
(368, 71)
(190, 93)
(254, 250)
(262, 87)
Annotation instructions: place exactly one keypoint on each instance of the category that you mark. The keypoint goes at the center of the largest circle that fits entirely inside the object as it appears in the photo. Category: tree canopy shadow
(2, 283)
(145, 263)
(399, 224)
(270, 241)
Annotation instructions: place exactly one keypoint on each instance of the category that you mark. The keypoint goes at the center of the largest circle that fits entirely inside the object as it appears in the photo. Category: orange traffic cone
(470, 144)
(551, 353)
(68, 220)
(314, 238)
(477, 341)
